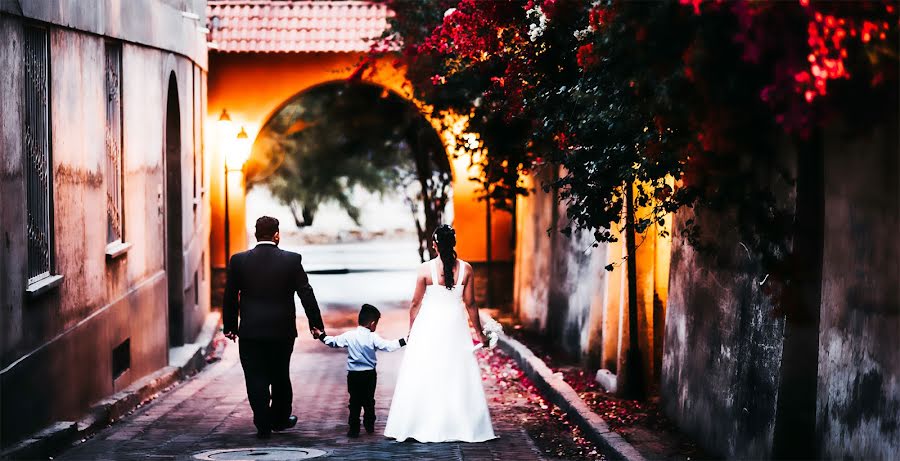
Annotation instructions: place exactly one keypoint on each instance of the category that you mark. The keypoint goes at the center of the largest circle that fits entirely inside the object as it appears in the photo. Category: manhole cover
(260, 454)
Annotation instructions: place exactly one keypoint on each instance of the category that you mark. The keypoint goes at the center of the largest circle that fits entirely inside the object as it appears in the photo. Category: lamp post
(236, 154)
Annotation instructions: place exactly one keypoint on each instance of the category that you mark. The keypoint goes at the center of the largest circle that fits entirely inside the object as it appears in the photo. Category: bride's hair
(445, 238)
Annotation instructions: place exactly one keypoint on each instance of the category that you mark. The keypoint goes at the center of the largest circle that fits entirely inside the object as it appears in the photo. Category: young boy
(361, 345)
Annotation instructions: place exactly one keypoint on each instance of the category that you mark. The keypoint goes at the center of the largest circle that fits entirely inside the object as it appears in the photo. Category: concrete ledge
(561, 393)
(188, 360)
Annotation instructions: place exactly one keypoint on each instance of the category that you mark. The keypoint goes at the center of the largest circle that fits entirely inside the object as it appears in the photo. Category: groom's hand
(315, 332)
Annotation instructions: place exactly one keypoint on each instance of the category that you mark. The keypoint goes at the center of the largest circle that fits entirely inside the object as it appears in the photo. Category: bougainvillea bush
(687, 100)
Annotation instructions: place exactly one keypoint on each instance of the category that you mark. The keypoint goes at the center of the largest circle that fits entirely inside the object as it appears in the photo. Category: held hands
(231, 335)
(316, 333)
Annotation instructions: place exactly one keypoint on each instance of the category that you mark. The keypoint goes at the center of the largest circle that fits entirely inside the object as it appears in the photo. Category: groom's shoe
(291, 422)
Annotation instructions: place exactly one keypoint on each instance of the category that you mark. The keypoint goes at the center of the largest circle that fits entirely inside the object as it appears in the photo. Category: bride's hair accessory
(445, 238)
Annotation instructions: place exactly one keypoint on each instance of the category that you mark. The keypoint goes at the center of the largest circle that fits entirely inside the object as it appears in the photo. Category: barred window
(36, 137)
(114, 215)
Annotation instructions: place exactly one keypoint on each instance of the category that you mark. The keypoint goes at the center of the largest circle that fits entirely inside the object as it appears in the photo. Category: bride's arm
(469, 300)
(416, 302)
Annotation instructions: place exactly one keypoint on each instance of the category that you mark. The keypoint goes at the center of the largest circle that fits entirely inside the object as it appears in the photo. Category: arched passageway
(253, 83)
(335, 140)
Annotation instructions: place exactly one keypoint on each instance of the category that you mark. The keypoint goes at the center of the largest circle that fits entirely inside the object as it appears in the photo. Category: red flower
(694, 3)
(599, 17)
(586, 56)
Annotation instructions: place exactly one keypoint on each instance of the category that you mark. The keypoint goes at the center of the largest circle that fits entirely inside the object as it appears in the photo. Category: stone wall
(559, 281)
(56, 348)
(723, 346)
(564, 292)
(859, 332)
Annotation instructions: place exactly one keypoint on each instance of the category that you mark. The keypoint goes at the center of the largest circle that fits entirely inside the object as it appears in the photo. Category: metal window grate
(36, 134)
(114, 201)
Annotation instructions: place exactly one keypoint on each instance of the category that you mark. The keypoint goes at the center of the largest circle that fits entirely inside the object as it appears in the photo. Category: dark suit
(260, 290)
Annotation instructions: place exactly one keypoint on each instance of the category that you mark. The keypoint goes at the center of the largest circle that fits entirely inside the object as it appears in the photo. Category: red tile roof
(294, 26)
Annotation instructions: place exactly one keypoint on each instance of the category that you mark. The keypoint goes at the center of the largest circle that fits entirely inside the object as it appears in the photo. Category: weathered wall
(56, 354)
(577, 280)
(722, 346)
(563, 291)
(859, 345)
(722, 357)
(12, 187)
(558, 280)
(534, 215)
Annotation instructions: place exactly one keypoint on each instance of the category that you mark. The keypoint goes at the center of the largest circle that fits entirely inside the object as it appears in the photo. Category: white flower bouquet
(492, 329)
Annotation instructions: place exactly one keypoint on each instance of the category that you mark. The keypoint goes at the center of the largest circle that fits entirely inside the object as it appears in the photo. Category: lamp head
(239, 152)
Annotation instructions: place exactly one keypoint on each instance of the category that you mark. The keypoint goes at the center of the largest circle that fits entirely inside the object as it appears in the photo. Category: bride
(439, 396)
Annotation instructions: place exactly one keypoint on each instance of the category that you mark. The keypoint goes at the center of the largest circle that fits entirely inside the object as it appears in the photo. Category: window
(196, 289)
(195, 93)
(114, 216)
(36, 137)
(121, 359)
(202, 139)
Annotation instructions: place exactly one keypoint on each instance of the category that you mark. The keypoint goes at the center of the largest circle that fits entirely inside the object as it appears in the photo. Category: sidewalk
(211, 412)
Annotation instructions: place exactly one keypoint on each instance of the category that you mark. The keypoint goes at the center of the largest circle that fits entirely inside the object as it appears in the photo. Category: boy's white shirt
(361, 345)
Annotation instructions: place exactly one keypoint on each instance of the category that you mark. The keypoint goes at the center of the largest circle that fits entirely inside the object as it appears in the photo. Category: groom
(259, 289)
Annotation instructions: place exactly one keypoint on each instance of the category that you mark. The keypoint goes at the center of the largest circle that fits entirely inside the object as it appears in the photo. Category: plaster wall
(56, 356)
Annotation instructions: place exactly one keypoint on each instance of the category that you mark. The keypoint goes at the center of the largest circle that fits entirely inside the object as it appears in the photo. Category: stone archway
(252, 86)
(354, 132)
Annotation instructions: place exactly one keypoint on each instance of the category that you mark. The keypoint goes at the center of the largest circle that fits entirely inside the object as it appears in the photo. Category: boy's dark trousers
(361, 385)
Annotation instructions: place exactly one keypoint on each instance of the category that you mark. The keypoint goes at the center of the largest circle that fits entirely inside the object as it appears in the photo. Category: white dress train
(439, 396)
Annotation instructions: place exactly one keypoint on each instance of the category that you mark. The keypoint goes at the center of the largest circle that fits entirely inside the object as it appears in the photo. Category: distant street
(357, 273)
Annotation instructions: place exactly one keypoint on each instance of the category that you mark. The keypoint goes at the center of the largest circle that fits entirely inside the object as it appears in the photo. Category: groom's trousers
(266, 363)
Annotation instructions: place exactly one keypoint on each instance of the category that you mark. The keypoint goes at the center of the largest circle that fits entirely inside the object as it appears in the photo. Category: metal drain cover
(260, 454)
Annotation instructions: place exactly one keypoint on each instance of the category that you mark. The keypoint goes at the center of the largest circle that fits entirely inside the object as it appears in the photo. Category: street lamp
(236, 155)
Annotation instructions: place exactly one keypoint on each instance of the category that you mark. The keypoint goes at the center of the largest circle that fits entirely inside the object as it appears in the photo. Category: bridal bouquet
(492, 330)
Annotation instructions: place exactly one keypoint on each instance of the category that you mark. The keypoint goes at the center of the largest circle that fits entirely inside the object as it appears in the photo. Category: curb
(561, 393)
(184, 361)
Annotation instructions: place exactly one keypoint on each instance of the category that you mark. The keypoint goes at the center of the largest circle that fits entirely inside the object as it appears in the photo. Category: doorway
(174, 240)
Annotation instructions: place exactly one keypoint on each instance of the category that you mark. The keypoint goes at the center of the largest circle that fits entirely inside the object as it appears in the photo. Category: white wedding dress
(439, 396)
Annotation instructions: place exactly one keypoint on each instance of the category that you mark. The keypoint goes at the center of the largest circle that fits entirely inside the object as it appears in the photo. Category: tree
(649, 94)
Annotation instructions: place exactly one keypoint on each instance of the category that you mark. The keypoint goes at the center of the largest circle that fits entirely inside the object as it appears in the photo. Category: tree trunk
(633, 378)
(795, 412)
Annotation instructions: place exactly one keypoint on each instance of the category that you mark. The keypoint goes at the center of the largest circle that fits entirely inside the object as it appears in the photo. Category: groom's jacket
(260, 290)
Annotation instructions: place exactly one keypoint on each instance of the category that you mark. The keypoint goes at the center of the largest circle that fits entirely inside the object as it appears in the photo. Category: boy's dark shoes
(370, 426)
(353, 433)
